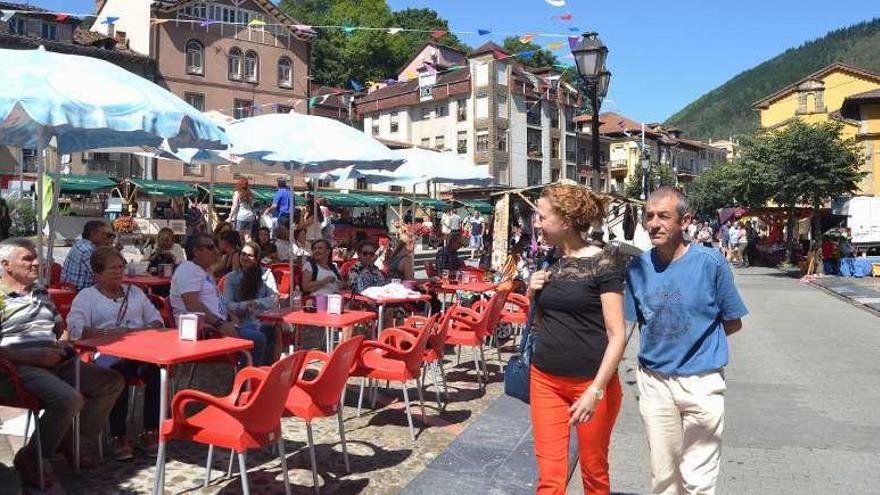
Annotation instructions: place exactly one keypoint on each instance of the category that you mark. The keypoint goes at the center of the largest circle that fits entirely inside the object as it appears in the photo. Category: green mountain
(727, 110)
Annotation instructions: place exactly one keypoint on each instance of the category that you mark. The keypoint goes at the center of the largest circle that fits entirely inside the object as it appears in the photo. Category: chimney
(120, 38)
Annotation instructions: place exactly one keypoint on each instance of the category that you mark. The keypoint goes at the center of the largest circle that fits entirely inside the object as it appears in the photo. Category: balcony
(533, 118)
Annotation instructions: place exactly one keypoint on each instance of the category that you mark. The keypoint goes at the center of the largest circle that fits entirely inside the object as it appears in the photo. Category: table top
(323, 319)
(275, 315)
(146, 280)
(392, 300)
(162, 347)
(469, 287)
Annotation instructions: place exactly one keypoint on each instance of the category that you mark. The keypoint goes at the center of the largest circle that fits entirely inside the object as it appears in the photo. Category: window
(426, 143)
(482, 73)
(195, 100)
(482, 140)
(394, 122)
(375, 126)
(462, 110)
(194, 169)
(554, 147)
(571, 172)
(283, 109)
(397, 189)
(502, 140)
(195, 57)
(234, 64)
(361, 184)
(50, 31)
(426, 113)
(554, 118)
(17, 25)
(462, 142)
(500, 74)
(324, 183)
(501, 100)
(482, 107)
(441, 110)
(533, 112)
(534, 173)
(440, 142)
(250, 66)
(554, 174)
(242, 108)
(285, 73)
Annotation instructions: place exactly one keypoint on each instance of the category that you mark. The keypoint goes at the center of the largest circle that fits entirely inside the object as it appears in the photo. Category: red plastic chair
(20, 398)
(164, 307)
(346, 268)
(430, 269)
(55, 275)
(470, 328)
(396, 356)
(63, 300)
(516, 312)
(237, 421)
(435, 350)
(221, 283)
(320, 396)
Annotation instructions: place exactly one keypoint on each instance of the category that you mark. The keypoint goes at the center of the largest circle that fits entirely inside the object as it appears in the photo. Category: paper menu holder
(334, 304)
(188, 325)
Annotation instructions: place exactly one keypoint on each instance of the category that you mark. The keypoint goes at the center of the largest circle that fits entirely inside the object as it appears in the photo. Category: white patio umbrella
(422, 166)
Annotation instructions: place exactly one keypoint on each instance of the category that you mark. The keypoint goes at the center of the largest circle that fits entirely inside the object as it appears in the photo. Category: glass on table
(444, 275)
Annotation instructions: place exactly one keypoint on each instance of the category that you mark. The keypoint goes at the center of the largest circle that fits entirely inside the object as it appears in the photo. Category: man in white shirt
(194, 290)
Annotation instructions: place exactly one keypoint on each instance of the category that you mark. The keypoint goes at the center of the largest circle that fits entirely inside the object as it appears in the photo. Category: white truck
(863, 221)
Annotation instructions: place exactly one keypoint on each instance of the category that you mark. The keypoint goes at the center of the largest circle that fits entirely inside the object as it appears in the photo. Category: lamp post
(589, 56)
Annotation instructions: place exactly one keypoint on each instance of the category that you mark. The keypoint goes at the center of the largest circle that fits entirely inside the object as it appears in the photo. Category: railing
(619, 165)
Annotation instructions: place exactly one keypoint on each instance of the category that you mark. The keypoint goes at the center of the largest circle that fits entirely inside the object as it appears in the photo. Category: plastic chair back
(326, 390)
(413, 356)
(55, 275)
(265, 406)
(346, 267)
(164, 307)
(493, 314)
(430, 270)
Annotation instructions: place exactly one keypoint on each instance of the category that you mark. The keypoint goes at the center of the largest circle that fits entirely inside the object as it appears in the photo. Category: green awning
(342, 200)
(437, 204)
(379, 199)
(476, 204)
(163, 187)
(223, 193)
(84, 184)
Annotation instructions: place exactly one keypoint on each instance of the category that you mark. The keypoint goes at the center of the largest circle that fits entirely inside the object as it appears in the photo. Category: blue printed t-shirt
(282, 200)
(680, 308)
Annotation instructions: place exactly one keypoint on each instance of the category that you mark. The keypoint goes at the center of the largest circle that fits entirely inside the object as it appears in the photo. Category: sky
(662, 55)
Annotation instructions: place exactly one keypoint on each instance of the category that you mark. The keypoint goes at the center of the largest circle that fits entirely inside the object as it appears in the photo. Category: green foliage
(727, 110)
(712, 189)
(662, 176)
(23, 216)
(541, 58)
(363, 55)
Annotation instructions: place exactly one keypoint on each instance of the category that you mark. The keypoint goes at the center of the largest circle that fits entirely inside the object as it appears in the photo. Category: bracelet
(596, 391)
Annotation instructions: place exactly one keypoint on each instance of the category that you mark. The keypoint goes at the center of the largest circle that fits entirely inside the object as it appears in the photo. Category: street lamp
(589, 56)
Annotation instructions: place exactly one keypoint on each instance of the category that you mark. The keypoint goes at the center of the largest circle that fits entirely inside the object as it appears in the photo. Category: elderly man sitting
(77, 269)
(28, 337)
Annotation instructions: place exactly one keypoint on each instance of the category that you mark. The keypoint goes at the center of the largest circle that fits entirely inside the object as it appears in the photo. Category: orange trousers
(551, 396)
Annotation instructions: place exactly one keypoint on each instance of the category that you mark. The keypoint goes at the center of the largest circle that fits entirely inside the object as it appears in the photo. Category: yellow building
(841, 92)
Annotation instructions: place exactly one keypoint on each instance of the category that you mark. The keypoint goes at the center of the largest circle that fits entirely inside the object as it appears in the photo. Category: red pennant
(438, 33)
(61, 17)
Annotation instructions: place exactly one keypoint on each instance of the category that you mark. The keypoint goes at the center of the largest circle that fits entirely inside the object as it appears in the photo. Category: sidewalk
(864, 292)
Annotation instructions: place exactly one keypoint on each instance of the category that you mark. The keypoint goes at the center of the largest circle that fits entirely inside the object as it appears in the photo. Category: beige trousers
(684, 419)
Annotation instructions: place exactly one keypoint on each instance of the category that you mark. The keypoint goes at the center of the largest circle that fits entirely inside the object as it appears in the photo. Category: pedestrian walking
(723, 239)
(581, 336)
(684, 298)
(242, 212)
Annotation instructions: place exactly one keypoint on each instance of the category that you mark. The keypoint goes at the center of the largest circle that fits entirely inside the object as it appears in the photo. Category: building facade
(839, 92)
(513, 122)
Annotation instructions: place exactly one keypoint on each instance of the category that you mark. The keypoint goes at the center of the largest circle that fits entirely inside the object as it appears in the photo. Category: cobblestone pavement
(383, 458)
(802, 398)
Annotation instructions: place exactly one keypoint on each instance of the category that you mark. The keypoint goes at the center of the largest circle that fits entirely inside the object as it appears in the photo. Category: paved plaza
(801, 419)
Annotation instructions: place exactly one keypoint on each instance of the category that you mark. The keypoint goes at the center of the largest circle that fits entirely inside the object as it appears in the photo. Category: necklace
(114, 295)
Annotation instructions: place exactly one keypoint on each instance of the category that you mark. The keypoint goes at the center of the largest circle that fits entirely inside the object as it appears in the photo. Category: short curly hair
(576, 205)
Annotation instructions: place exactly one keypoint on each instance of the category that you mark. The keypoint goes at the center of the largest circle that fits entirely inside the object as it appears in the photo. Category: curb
(846, 299)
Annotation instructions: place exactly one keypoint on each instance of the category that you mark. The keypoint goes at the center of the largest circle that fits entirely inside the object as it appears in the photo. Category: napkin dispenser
(188, 326)
(334, 304)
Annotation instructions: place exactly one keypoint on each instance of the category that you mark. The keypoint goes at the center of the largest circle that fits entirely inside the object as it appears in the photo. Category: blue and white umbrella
(307, 143)
(422, 166)
(86, 103)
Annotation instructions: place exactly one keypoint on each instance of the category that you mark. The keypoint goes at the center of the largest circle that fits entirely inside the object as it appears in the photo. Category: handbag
(516, 374)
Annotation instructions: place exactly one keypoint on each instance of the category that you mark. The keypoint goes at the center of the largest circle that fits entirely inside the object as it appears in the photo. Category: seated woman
(365, 274)
(250, 290)
(400, 262)
(282, 244)
(300, 246)
(230, 249)
(109, 308)
(267, 246)
(320, 274)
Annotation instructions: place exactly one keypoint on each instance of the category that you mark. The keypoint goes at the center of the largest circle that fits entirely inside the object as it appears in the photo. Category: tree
(661, 175)
(540, 58)
(713, 189)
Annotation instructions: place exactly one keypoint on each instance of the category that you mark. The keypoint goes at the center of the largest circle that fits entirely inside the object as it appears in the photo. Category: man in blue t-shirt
(684, 298)
(281, 203)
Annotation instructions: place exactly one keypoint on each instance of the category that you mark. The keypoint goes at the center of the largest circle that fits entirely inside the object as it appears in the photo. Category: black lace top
(570, 325)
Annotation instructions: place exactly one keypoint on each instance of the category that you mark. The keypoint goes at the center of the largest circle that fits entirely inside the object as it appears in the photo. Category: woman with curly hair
(242, 211)
(580, 339)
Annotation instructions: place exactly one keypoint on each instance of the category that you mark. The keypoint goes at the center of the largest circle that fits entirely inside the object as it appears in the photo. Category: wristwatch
(597, 392)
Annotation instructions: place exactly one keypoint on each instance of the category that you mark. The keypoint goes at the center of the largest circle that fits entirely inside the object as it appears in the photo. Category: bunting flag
(5, 15)
(110, 20)
(256, 22)
(453, 68)
(438, 33)
(574, 29)
(410, 74)
(556, 45)
(356, 85)
(562, 17)
(483, 32)
(348, 27)
(207, 23)
(157, 22)
(394, 30)
(390, 81)
(573, 42)
(525, 53)
(556, 3)
(526, 38)
(61, 16)
(302, 27)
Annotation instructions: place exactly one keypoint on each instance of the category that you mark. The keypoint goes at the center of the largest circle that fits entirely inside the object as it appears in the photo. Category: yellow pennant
(526, 38)
(257, 22)
(555, 45)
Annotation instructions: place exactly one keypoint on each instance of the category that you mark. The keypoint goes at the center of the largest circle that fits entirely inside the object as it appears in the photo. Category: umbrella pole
(39, 195)
(212, 214)
(53, 215)
(290, 228)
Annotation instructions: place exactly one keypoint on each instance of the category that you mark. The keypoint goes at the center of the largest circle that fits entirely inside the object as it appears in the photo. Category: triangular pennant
(207, 23)
(324, 98)
(525, 53)
(348, 27)
(556, 45)
(61, 17)
(110, 20)
(556, 3)
(390, 81)
(356, 85)
(455, 67)
(5, 15)
(256, 22)
(574, 29)
(312, 101)
(565, 17)
(394, 30)
(302, 27)
(157, 22)
(483, 32)
(526, 38)
(410, 74)
(438, 33)
(573, 42)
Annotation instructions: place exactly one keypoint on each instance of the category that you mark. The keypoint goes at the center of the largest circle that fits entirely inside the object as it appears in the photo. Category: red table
(147, 281)
(384, 301)
(329, 321)
(478, 287)
(160, 347)
(275, 315)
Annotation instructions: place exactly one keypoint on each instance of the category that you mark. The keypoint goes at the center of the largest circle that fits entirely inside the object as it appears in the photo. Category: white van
(863, 221)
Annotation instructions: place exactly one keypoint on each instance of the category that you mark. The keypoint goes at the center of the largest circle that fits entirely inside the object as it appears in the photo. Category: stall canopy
(437, 204)
(224, 192)
(476, 204)
(342, 200)
(84, 184)
(162, 187)
(379, 199)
